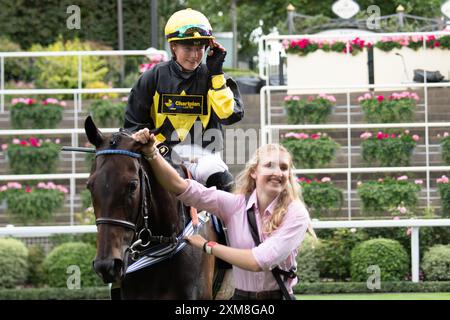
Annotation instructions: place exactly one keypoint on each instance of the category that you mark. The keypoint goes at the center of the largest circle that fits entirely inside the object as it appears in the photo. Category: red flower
(315, 136)
(380, 98)
(385, 135)
(437, 44)
(393, 135)
(308, 181)
(379, 135)
(316, 180)
(302, 179)
(34, 142)
(27, 189)
(23, 143)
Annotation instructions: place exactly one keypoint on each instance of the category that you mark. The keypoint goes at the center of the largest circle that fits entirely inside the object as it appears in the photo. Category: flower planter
(397, 107)
(310, 151)
(321, 196)
(388, 194)
(309, 110)
(384, 149)
(32, 204)
(28, 114)
(108, 114)
(32, 156)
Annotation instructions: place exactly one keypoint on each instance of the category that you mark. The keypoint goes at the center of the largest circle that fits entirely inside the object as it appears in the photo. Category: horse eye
(133, 186)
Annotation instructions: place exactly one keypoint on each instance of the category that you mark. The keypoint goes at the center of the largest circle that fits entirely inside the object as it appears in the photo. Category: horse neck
(164, 215)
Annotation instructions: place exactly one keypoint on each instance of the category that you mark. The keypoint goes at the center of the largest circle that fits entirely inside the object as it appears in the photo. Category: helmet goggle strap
(191, 30)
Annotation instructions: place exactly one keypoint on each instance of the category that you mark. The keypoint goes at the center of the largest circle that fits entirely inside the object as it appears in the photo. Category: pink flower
(443, 179)
(125, 99)
(407, 131)
(401, 178)
(62, 189)
(402, 210)
(63, 104)
(14, 185)
(16, 141)
(415, 137)
(409, 231)
(326, 179)
(445, 134)
(366, 135)
(418, 181)
(4, 146)
(396, 218)
(381, 180)
(379, 135)
(287, 98)
(296, 98)
(27, 189)
(57, 141)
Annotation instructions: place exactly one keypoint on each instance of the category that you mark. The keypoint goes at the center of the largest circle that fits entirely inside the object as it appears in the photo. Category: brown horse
(133, 212)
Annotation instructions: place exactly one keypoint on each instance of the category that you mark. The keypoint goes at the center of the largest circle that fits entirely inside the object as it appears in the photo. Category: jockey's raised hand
(148, 140)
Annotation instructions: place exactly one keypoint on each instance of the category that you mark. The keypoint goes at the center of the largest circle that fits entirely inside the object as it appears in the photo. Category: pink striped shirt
(280, 248)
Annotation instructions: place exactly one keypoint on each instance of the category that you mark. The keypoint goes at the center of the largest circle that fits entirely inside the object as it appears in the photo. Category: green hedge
(388, 255)
(308, 260)
(36, 115)
(361, 287)
(436, 263)
(13, 263)
(33, 159)
(92, 293)
(72, 253)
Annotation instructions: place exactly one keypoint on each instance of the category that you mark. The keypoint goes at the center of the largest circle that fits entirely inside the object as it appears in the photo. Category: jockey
(189, 100)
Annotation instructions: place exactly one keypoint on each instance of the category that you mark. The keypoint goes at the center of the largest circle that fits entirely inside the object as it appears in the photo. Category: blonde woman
(267, 185)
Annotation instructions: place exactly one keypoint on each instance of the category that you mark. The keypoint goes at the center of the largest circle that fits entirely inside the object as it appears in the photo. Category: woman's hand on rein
(147, 139)
(196, 240)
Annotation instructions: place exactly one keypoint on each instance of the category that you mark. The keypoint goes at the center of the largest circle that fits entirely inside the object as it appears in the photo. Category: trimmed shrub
(95, 293)
(388, 255)
(308, 260)
(36, 256)
(361, 287)
(13, 263)
(436, 263)
(58, 261)
(335, 253)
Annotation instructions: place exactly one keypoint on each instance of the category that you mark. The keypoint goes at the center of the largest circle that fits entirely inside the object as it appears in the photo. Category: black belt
(260, 295)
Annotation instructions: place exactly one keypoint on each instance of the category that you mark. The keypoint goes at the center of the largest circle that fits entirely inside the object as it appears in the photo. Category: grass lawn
(378, 296)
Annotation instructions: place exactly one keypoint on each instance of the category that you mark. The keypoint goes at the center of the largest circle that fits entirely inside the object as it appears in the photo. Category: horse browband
(143, 177)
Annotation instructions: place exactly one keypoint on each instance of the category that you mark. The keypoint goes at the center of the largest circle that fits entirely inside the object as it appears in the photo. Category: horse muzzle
(110, 270)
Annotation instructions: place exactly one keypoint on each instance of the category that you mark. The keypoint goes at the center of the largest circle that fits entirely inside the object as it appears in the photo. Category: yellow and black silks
(178, 101)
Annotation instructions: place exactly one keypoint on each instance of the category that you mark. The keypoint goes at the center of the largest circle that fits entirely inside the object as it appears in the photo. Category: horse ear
(93, 134)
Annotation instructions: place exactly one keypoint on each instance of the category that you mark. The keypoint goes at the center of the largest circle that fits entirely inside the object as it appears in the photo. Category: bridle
(143, 236)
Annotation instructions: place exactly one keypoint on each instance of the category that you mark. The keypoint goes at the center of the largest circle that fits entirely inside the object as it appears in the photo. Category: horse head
(120, 193)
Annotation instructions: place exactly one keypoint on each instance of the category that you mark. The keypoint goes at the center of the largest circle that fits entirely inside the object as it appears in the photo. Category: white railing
(415, 224)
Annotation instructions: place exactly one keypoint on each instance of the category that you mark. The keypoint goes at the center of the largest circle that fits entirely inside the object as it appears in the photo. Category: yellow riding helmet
(188, 24)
